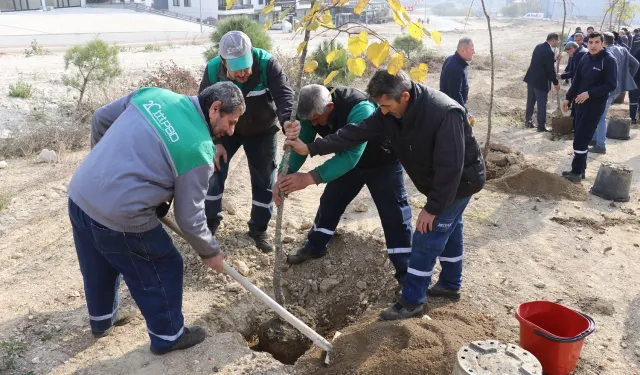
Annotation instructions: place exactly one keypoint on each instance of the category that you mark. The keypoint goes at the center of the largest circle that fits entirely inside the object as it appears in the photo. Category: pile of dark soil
(534, 182)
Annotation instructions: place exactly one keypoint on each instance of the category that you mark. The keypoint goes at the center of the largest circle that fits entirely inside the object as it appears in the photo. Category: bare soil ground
(582, 253)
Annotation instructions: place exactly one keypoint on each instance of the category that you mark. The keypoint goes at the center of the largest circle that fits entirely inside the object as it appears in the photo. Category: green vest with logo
(180, 126)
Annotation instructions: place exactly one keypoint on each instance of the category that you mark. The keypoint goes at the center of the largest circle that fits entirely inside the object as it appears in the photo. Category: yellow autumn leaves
(360, 51)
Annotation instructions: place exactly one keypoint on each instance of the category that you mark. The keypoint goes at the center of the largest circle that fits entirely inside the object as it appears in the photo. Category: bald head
(466, 48)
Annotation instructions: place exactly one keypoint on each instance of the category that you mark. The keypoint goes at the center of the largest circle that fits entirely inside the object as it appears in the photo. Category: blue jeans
(261, 156)
(600, 136)
(445, 243)
(386, 185)
(150, 265)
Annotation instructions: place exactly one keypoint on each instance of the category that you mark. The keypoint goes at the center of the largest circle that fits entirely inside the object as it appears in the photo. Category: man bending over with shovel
(372, 164)
(432, 137)
(149, 147)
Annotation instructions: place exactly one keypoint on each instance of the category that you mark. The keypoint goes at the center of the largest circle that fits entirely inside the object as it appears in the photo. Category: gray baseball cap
(235, 47)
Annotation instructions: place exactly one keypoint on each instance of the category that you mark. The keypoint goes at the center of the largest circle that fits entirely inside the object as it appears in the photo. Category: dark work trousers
(150, 265)
(539, 97)
(386, 185)
(588, 114)
(444, 243)
(261, 156)
(634, 95)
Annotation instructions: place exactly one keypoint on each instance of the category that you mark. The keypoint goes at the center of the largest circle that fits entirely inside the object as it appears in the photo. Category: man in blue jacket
(576, 52)
(596, 77)
(453, 78)
(538, 78)
(626, 66)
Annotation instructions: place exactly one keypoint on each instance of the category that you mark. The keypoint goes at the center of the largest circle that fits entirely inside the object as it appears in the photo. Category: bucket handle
(587, 332)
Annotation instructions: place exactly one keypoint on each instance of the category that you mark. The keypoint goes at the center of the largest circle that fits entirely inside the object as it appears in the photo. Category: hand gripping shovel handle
(286, 315)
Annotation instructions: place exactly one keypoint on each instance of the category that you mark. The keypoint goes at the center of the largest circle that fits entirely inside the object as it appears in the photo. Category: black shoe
(263, 242)
(192, 336)
(566, 173)
(402, 311)
(542, 130)
(440, 291)
(592, 143)
(598, 150)
(304, 254)
(124, 317)
(573, 177)
(634, 122)
(529, 125)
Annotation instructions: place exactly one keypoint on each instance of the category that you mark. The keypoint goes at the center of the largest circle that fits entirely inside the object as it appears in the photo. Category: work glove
(163, 209)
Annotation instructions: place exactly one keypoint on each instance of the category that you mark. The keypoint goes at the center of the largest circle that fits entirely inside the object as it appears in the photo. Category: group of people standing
(154, 148)
(601, 67)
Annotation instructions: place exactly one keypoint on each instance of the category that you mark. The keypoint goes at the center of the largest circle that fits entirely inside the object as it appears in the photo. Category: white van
(534, 16)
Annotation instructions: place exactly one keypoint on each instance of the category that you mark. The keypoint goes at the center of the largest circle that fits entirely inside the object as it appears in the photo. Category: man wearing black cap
(269, 102)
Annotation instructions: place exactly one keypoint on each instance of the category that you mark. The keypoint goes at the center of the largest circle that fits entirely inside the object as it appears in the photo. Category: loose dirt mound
(339, 287)
(414, 346)
(534, 182)
(501, 161)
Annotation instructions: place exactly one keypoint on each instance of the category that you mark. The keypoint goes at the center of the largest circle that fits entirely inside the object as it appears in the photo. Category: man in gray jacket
(149, 147)
(627, 68)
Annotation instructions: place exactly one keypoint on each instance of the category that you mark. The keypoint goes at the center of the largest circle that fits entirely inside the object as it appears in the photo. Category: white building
(218, 8)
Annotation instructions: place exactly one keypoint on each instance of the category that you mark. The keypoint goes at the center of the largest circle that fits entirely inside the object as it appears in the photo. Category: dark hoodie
(597, 74)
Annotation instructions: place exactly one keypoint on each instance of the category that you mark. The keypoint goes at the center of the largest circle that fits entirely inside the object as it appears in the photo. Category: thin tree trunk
(277, 270)
(564, 20)
(624, 5)
(486, 146)
(604, 18)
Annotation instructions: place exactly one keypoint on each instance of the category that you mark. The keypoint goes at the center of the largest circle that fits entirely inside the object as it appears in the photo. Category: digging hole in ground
(327, 294)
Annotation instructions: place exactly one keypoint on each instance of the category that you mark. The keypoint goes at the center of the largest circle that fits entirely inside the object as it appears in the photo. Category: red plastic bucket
(554, 334)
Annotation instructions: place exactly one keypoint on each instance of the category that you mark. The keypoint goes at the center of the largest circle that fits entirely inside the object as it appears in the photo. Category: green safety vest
(180, 126)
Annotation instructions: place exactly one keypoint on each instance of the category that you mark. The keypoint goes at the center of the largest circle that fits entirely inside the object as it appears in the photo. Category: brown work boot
(193, 336)
(124, 317)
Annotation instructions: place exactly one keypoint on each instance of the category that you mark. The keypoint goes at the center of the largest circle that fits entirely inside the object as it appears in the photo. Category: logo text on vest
(155, 110)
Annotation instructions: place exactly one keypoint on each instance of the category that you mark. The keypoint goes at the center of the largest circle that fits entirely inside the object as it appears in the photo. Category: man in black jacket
(453, 78)
(595, 78)
(432, 137)
(577, 52)
(323, 111)
(262, 82)
(538, 78)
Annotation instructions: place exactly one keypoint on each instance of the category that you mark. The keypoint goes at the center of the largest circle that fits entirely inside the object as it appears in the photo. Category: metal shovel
(262, 296)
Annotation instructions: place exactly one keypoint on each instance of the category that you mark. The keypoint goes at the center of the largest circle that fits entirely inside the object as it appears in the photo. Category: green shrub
(20, 90)
(94, 61)
(320, 55)
(36, 50)
(259, 38)
(408, 45)
(152, 48)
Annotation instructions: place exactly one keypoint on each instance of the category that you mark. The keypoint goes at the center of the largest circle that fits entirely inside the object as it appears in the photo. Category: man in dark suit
(539, 75)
